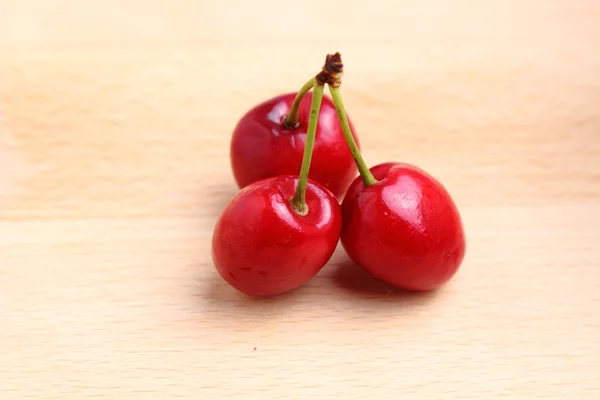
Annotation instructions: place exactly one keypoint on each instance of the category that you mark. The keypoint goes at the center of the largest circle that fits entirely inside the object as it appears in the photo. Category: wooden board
(116, 121)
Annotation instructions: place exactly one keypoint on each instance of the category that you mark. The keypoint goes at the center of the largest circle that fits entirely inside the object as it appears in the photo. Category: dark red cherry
(404, 229)
(263, 146)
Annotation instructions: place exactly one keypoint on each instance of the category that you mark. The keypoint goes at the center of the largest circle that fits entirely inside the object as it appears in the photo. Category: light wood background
(116, 120)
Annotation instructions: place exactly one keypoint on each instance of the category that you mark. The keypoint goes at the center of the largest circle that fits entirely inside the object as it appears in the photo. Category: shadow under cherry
(355, 282)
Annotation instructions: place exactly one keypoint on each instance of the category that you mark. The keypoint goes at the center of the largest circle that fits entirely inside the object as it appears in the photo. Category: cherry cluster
(295, 157)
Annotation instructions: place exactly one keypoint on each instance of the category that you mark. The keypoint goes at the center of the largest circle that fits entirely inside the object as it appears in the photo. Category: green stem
(367, 176)
(291, 121)
(299, 199)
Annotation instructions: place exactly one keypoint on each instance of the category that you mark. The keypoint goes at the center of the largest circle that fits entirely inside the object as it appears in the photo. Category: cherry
(399, 223)
(269, 140)
(278, 232)
(263, 247)
(404, 229)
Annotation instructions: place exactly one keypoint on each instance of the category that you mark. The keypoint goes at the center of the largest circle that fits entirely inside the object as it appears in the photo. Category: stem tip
(333, 70)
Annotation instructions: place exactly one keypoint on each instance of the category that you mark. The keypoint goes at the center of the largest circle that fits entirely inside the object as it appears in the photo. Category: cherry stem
(365, 173)
(299, 199)
(291, 120)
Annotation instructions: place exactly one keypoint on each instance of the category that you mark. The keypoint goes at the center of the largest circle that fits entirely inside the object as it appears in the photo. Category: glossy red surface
(262, 247)
(405, 229)
(262, 147)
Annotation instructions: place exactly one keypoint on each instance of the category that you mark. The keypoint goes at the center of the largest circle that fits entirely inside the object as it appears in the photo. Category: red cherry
(404, 229)
(262, 246)
(263, 146)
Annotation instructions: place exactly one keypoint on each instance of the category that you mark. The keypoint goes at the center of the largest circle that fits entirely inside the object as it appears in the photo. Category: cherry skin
(262, 247)
(404, 229)
(262, 146)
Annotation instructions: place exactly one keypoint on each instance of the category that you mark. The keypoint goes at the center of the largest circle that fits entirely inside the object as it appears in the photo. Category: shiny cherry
(263, 247)
(404, 229)
(278, 232)
(266, 143)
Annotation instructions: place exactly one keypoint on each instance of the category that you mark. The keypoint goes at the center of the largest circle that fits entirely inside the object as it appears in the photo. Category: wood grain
(114, 131)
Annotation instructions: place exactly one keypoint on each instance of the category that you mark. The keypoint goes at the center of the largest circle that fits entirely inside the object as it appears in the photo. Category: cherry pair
(396, 221)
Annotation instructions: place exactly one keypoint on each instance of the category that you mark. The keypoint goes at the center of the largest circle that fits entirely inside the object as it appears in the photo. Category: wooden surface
(116, 119)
